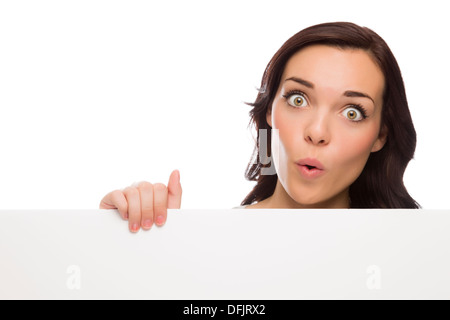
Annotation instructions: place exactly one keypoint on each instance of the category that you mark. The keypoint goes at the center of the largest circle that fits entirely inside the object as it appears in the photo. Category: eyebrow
(348, 93)
(301, 81)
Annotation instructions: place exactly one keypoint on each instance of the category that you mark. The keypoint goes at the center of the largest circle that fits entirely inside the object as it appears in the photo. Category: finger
(160, 203)
(146, 195)
(174, 191)
(115, 200)
(134, 208)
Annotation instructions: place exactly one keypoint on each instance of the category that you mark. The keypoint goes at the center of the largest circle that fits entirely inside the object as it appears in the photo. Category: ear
(381, 140)
(269, 116)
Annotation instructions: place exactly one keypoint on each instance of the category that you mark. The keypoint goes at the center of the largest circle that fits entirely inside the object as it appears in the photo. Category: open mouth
(310, 164)
(310, 168)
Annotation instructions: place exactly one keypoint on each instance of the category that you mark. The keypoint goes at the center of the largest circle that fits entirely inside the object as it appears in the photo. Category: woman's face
(328, 113)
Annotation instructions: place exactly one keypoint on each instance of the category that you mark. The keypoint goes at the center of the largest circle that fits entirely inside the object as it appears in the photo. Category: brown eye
(353, 114)
(297, 100)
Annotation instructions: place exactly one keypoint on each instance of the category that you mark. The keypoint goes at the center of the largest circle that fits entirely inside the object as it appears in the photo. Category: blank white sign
(226, 254)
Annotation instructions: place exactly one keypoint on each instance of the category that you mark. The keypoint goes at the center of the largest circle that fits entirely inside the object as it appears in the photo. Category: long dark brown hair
(380, 185)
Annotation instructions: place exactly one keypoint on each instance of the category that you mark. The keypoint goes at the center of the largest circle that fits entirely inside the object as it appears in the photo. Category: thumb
(174, 191)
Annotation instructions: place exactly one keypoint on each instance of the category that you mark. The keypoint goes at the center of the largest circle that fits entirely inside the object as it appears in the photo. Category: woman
(332, 104)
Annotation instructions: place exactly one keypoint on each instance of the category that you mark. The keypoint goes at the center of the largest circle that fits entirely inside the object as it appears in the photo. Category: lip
(310, 162)
(308, 173)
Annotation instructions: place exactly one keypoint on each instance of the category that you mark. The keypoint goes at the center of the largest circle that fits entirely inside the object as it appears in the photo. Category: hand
(145, 203)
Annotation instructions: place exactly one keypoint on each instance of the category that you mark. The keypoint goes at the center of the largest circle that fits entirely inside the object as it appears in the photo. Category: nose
(317, 131)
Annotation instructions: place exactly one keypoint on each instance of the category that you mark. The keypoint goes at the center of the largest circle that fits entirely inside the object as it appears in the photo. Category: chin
(307, 200)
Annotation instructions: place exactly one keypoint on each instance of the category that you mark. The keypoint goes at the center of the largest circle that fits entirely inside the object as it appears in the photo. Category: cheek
(352, 149)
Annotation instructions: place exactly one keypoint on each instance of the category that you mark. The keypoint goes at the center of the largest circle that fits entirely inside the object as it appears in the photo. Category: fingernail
(147, 224)
(159, 220)
(134, 227)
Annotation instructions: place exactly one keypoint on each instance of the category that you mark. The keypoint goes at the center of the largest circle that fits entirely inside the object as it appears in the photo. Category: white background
(95, 95)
